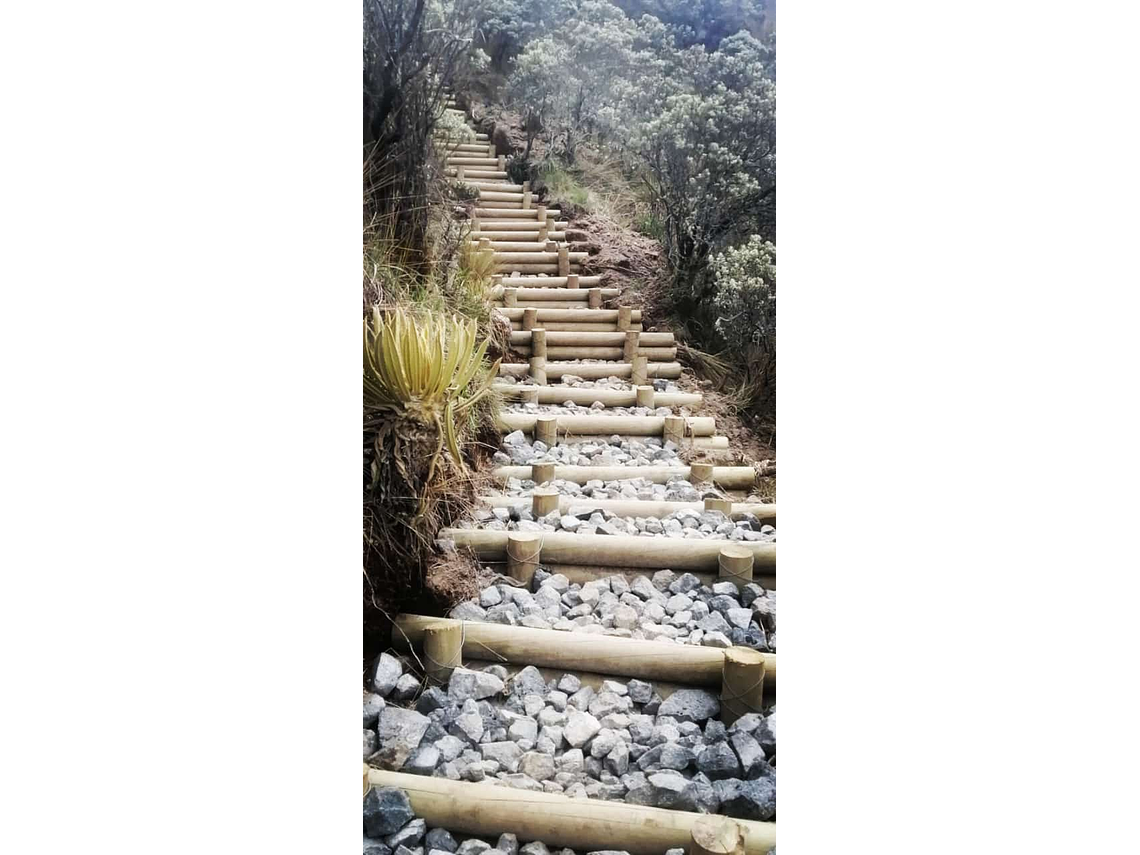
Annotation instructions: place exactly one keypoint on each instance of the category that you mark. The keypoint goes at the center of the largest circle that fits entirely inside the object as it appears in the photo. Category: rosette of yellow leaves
(424, 367)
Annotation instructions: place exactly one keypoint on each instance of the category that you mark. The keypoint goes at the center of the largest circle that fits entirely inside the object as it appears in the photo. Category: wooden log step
(766, 513)
(519, 267)
(708, 443)
(592, 370)
(514, 243)
(572, 315)
(555, 326)
(602, 339)
(527, 214)
(585, 396)
(487, 810)
(540, 255)
(653, 354)
(535, 304)
(689, 664)
(452, 172)
(606, 425)
(584, 282)
(464, 160)
(570, 295)
(727, 477)
(499, 196)
(525, 226)
(501, 206)
(499, 186)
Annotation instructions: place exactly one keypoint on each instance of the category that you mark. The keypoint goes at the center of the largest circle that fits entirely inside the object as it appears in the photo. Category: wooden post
(593, 297)
(526, 189)
(524, 548)
(443, 650)
(538, 370)
(735, 563)
(530, 396)
(543, 501)
(496, 279)
(475, 226)
(645, 396)
(459, 172)
(529, 319)
(542, 473)
(624, 313)
(546, 429)
(563, 261)
(550, 246)
(537, 346)
(572, 280)
(543, 232)
(722, 505)
(502, 163)
(700, 473)
(629, 350)
(674, 430)
(716, 835)
(526, 200)
(640, 374)
(510, 297)
(742, 683)
(539, 209)
(491, 152)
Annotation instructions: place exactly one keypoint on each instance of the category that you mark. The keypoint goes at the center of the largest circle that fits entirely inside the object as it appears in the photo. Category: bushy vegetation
(685, 97)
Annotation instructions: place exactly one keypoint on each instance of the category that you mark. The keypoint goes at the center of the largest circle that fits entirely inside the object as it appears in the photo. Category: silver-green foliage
(744, 298)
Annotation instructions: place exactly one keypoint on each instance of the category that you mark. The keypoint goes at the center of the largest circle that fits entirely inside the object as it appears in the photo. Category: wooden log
(487, 810)
(496, 196)
(690, 664)
(532, 214)
(742, 683)
(766, 513)
(574, 281)
(630, 348)
(538, 341)
(510, 296)
(594, 370)
(727, 477)
(673, 429)
(564, 261)
(706, 443)
(555, 326)
(594, 297)
(544, 428)
(572, 339)
(443, 650)
(530, 395)
(643, 396)
(734, 564)
(716, 835)
(600, 425)
(536, 368)
(524, 550)
(653, 354)
(624, 313)
(562, 282)
(543, 501)
(621, 550)
(542, 473)
(556, 294)
(639, 371)
(540, 255)
(535, 268)
(530, 318)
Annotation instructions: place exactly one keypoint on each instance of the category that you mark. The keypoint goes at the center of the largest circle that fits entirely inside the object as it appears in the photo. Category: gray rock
(537, 765)
(386, 809)
(524, 728)
(433, 699)
(684, 584)
(468, 610)
(667, 788)
(423, 760)
(715, 639)
(508, 844)
(398, 732)
(535, 848)
(506, 754)
(516, 438)
(662, 579)
(700, 796)
(694, 705)
(476, 685)
(468, 724)
(440, 839)
(385, 673)
(369, 742)
(572, 761)
(490, 596)
(375, 847)
(605, 703)
(409, 835)
(474, 846)
(765, 734)
(754, 799)
(719, 761)
(373, 704)
(406, 688)
(450, 747)
(580, 728)
(528, 681)
(640, 691)
(643, 588)
(748, 750)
